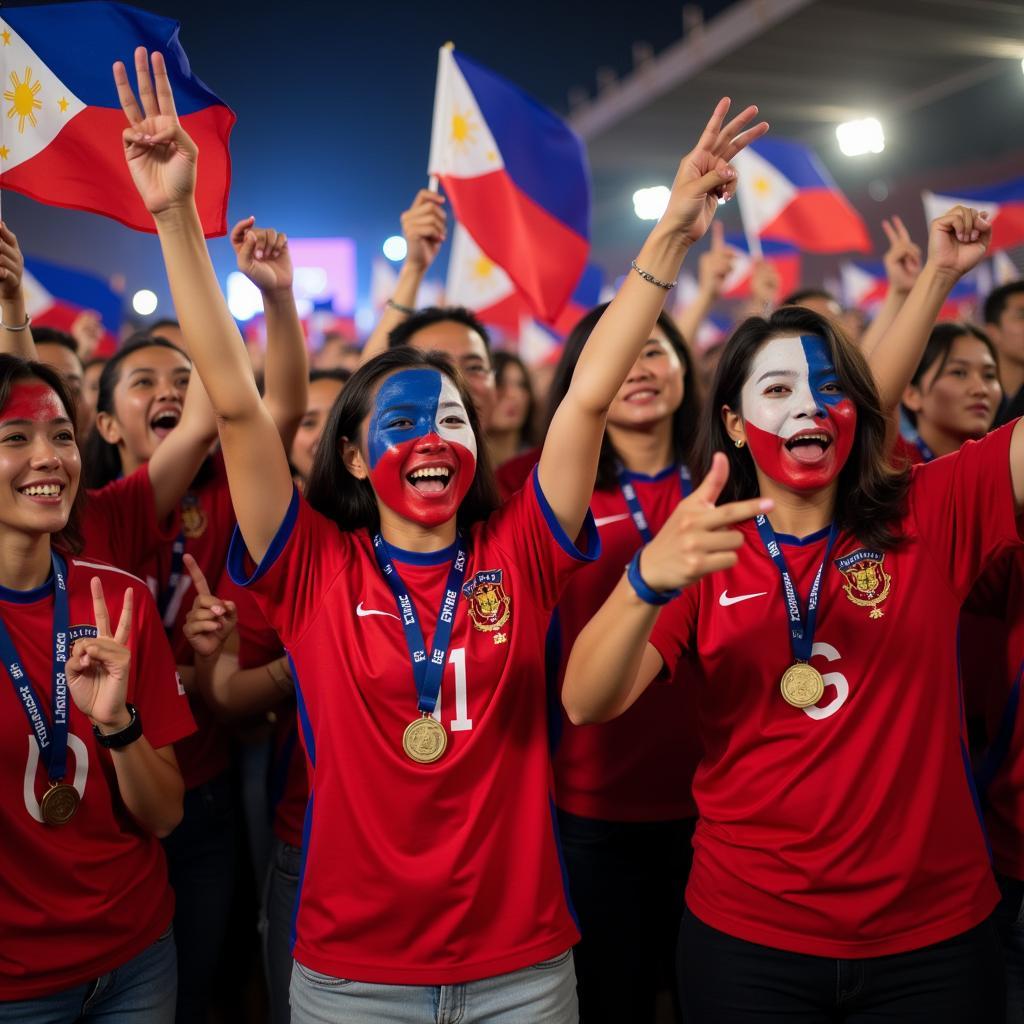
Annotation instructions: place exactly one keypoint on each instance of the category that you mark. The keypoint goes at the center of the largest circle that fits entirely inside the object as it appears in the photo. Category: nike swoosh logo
(725, 600)
(363, 612)
(605, 520)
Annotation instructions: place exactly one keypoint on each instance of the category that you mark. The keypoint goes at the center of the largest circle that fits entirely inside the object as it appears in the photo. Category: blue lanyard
(801, 629)
(427, 672)
(633, 502)
(927, 454)
(167, 594)
(51, 737)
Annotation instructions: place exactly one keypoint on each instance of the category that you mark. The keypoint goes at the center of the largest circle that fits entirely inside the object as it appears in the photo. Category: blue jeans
(542, 994)
(142, 991)
(279, 896)
(1009, 920)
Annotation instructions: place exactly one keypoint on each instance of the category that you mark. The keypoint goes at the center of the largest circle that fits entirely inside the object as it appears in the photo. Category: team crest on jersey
(193, 518)
(489, 605)
(867, 583)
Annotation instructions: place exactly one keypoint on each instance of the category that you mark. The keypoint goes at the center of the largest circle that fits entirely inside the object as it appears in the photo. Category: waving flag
(478, 283)
(783, 257)
(1003, 203)
(864, 283)
(786, 195)
(60, 142)
(517, 179)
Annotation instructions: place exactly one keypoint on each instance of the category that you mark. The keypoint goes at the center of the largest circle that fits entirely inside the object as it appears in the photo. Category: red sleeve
(120, 524)
(964, 509)
(674, 629)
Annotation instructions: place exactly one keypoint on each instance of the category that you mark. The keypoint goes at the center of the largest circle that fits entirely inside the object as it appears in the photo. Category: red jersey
(639, 766)
(424, 874)
(846, 829)
(83, 898)
(511, 475)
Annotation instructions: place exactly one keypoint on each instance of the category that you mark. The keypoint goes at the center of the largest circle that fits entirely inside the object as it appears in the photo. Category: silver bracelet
(667, 285)
(407, 310)
(23, 327)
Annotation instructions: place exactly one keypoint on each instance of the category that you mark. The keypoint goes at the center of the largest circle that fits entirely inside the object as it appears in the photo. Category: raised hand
(424, 226)
(161, 157)
(87, 330)
(211, 620)
(262, 255)
(957, 240)
(705, 175)
(765, 284)
(697, 538)
(12, 264)
(903, 258)
(98, 668)
(716, 264)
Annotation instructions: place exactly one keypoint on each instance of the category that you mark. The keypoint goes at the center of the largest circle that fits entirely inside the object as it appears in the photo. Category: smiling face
(39, 462)
(798, 422)
(322, 393)
(420, 446)
(653, 389)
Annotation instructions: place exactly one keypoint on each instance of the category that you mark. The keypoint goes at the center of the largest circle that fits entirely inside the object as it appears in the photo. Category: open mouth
(809, 446)
(42, 492)
(164, 422)
(430, 479)
(643, 395)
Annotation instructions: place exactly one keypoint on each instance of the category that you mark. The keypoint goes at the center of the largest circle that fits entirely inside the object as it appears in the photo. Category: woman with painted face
(431, 875)
(90, 780)
(840, 869)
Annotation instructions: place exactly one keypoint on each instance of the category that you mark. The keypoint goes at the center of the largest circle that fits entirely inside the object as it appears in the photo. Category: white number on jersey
(461, 722)
(836, 679)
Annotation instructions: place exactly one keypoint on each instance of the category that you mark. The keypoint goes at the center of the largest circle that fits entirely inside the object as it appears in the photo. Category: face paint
(419, 431)
(800, 425)
(33, 401)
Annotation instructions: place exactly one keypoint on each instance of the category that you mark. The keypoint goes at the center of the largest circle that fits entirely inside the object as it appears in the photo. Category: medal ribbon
(51, 737)
(427, 672)
(633, 502)
(801, 626)
(167, 594)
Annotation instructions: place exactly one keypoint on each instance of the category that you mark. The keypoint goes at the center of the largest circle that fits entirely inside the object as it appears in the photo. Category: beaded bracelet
(667, 285)
(644, 592)
(407, 310)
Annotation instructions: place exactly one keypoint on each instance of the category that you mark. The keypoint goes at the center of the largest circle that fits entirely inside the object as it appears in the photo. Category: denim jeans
(141, 991)
(542, 994)
(279, 896)
(1009, 920)
(726, 980)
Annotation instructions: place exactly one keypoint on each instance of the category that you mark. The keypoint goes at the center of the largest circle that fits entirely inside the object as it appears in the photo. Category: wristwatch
(123, 737)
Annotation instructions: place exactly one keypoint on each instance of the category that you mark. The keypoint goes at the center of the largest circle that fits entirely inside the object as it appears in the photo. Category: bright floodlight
(859, 137)
(144, 302)
(244, 298)
(650, 203)
(395, 248)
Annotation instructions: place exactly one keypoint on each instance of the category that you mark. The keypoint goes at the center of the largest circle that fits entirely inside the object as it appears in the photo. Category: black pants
(626, 880)
(725, 980)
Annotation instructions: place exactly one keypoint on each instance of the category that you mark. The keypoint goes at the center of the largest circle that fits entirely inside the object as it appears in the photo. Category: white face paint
(449, 404)
(777, 396)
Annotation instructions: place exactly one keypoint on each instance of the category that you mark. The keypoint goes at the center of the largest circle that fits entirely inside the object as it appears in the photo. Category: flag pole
(753, 240)
(432, 183)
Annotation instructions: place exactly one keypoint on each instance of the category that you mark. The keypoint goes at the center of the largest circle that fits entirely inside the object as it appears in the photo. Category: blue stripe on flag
(795, 162)
(1006, 192)
(79, 289)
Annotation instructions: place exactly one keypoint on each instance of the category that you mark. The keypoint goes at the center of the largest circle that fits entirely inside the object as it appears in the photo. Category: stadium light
(650, 203)
(244, 298)
(859, 137)
(144, 302)
(395, 248)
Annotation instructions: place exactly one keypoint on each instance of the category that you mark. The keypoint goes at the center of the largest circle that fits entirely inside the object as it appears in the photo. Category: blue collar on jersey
(633, 502)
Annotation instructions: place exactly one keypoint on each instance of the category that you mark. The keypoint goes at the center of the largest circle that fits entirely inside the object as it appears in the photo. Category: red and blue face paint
(421, 446)
(800, 425)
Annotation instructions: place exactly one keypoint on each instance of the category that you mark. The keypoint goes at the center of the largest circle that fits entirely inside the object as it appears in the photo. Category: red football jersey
(846, 829)
(511, 475)
(446, 872)
(639, 766)
(83, 898)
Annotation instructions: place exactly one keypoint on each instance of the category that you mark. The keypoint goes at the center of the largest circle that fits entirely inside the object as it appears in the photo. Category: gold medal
(59, 803)
(802, 685)
(424, 740)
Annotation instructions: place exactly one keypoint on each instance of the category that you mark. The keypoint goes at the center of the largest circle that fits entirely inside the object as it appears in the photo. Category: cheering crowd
(707, 680)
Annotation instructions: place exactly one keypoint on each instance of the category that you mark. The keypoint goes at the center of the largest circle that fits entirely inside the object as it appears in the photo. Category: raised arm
(713, 268)
(568, 463)
(902, 262)
(15, 334)
(162, 161)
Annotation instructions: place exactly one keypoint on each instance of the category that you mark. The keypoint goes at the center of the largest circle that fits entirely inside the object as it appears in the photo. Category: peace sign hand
(98, 668)
(903, 258)
(211, 620)
(263, 256)
(161, 157)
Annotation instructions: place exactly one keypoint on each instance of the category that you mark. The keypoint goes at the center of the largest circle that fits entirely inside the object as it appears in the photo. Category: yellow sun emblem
(762, 185)
(463, 129)
(482, 266)
(23, 99)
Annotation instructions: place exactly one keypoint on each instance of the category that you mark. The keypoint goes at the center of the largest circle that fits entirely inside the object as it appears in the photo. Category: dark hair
(685, 420)
(13, 370)
(154, 327)
(52, 336)
(528, 431)
(95, 361)
(799, 297)
(871, 496)
(333, 491)
(102, 459)
(337, 373)
(403, 333)
(998, 299)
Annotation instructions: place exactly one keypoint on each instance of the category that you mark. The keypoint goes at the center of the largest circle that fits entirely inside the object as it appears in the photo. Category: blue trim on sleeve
(592, 550)
(307, 824)
(237, 552)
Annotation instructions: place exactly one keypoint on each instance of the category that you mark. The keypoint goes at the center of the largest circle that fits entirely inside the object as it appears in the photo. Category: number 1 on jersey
(461, 722)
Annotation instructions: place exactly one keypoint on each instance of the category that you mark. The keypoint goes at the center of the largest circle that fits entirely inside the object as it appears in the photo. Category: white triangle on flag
(937, 205)
(461, 144)
(535, 342)
(37, 298)
(474, 280)
(1004, 270)
(36, 104)
(761, 189)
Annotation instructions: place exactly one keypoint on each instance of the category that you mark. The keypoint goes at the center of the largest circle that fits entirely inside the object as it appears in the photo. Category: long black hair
(502, 361)
(13, 371)
(871, 497)
(102, 459)
(333, 491)
(685, 420)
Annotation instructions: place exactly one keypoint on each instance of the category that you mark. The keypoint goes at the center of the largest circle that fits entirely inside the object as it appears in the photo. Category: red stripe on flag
(506, 313)
(543, 257)
(84, 169)
(819, 221)
(1008, 227)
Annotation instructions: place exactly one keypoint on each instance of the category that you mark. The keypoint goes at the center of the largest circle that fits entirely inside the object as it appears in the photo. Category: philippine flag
(783, 257)
(478, 283)
(786, 195)
(1003, 203)
(864, 283)
(517, 179)
(60, 142)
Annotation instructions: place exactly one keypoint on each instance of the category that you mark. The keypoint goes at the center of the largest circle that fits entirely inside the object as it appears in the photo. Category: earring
(739, 442)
